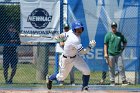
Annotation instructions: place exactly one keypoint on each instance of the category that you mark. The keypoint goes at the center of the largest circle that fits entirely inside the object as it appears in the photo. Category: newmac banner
(39, 20)
(96, 16)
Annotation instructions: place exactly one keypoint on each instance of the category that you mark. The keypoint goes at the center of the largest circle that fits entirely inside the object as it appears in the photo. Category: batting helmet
(76, 25)
(66, 25)
(113, 24)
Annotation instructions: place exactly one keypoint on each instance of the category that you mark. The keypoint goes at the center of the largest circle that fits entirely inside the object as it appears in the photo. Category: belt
(69, 57)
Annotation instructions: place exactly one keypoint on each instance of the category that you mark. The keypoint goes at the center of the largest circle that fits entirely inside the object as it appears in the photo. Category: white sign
(39, 20)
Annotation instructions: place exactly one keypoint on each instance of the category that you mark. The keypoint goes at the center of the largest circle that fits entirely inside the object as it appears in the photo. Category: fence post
(138, 68)
(56, 62)
(138, 49)
(42, 61)
(61, 30)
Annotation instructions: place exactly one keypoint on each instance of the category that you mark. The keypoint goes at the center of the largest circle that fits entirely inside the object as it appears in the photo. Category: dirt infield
(73, 91)
(70, 89)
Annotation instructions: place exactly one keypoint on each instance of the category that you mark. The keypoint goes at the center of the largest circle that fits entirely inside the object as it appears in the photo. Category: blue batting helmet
(76, 25)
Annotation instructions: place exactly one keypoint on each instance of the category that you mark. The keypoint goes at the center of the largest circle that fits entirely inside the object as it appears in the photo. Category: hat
(113, 24)
(66, 26)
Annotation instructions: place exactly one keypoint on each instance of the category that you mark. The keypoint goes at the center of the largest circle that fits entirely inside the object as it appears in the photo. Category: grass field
(26, 77)
(26, 74)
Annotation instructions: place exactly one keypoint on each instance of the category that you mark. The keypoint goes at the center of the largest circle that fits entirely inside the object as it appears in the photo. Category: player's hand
(61, 44)
(106, 55)
(56, 37)
(59, 38)
(122, 48)
(92, 43)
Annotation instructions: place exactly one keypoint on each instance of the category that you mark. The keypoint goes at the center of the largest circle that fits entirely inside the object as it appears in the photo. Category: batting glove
(59, 38)
(92, 44)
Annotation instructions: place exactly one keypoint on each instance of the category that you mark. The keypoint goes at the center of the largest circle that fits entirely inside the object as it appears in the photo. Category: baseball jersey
(114, 42)
(60, 48)
(72, 45)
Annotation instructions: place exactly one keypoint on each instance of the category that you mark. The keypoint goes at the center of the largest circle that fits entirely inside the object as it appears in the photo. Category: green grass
(25, 74)
(26, 77)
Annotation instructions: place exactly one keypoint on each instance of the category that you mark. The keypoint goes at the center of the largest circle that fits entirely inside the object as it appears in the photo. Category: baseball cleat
(85, 89)
(72, 83)
(49, 84)
(61, 83)
(102, 82)
(112, 83)
(125, 83)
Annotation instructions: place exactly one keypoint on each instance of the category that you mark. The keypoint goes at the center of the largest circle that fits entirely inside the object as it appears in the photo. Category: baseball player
(59, 50)
(114, 44)
(70, 57)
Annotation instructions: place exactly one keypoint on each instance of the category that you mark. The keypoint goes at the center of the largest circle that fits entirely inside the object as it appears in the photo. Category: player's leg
(112, 70)
(72, 79)
(65, 67)
(5, 72)
(81, 65)
(60, 56)
(53, 76)
(121, 69)
(6, 62)
(14, 61)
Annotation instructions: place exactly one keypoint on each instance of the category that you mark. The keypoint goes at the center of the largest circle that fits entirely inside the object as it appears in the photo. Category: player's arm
(86, 50)
(106, 55)
(124, 45)
(106, 42)
(60, 37)
(105, 51)
(124, 42)
(62, 44)
(64, 37)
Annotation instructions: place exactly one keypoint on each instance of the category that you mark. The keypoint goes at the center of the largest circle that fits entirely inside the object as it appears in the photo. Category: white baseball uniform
(71, 57)
(59, 48)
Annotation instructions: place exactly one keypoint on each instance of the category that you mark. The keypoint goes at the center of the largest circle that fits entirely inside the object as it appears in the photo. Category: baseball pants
(66, 65)
(117, 60)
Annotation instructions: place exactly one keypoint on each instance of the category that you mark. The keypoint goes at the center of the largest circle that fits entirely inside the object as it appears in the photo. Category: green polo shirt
(114, 42)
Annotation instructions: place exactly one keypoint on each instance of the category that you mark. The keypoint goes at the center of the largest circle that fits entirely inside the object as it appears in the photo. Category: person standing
(71, 57)
(114, 44)
(10, 54)
(59, 49)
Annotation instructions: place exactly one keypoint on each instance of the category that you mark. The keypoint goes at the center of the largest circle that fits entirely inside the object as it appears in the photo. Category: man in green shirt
(114, 44)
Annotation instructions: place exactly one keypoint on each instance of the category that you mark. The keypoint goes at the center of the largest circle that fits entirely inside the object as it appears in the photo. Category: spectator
(59, 49)
(9, 53)
(114, 44)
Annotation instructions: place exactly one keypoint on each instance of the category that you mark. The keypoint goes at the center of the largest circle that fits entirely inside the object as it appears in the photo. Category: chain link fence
(36, 61)
(97, 18)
